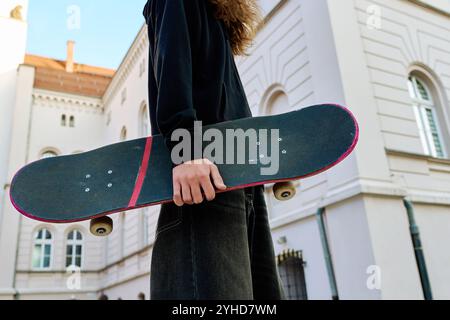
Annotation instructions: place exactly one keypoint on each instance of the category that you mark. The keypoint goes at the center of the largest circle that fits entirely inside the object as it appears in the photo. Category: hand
(193, 177)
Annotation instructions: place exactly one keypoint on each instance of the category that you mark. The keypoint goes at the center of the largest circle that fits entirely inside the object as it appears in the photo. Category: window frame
(144, 116)
(43, 243)
(293, 259)
(123, 96)
(74, 243)
(421, 107)
(72, 121)
(142, 67)
(144, 229)
(122, 235)
(123, 134)
(63, 120)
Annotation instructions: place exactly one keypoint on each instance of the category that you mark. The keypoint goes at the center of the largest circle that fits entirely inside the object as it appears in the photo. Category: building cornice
(418, 156)
(54, 99)
(143, 251)
(272, 13)
(425, 4)
(360, 187)
(136, 50)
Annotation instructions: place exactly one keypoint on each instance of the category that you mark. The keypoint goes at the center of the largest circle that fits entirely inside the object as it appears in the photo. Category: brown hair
(241, 18)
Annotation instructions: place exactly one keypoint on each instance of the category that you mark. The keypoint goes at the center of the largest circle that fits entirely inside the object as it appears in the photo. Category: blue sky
(102, 29)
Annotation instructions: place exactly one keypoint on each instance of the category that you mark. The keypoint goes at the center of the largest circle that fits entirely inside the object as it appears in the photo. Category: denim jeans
(218, 250)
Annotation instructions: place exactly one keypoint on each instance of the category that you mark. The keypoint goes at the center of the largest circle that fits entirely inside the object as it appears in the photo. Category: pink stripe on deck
(142, 173)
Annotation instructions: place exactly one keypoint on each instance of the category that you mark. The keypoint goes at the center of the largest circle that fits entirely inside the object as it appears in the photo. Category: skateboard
(138, 173)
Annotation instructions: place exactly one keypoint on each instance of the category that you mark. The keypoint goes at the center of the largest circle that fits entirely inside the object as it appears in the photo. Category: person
(141, 296)
(209, 245)
(103, 297)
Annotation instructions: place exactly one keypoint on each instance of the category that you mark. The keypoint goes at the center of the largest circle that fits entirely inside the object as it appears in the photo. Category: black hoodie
(192, 74)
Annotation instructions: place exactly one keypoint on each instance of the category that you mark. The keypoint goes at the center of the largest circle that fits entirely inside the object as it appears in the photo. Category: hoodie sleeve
(172, 65)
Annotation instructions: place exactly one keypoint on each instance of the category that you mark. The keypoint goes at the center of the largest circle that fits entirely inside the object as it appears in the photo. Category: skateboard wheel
(284, 191)
(101, 227)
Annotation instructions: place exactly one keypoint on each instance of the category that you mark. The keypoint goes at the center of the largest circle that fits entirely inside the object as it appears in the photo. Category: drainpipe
(418, 250)
(327, 254)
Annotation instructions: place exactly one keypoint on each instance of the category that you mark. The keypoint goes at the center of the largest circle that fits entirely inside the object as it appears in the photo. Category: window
(144, 122)
(48, 154)
(274, 101)
(63, 120)
(145, 238)
(123, 134)
(74, 249)
(142, 67)
(426, 116)
(290, 266)
(42, 249)
(72, 121)
(123, 96)
(122, 219)
(278, 103)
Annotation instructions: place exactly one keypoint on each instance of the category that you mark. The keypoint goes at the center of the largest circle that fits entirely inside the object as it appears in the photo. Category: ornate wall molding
(49, 99)
(437, 6)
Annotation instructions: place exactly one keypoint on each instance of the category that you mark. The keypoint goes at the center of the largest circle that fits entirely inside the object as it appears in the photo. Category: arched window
(48, 154)
(63, 120)
(426, 117)
(42, 249)
(108, 119)
(144, 121)
(290, 266)
(123, 96)
(142, 67)
(74, 249)
(278, 103)
(274, 101)
(123, 134)
(72, 121)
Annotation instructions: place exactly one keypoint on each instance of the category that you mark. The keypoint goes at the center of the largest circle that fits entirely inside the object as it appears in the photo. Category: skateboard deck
(138, 173)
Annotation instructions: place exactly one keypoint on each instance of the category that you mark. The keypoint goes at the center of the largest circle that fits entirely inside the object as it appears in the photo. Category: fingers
(217, 178)
(191, 178)
(186, 193)
(177, 197)
(208, 189)
(196, 192)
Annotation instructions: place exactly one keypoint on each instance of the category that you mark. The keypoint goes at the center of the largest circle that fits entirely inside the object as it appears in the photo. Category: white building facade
(346, 235)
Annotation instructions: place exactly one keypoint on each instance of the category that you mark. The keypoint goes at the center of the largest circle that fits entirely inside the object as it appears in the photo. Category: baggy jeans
(218, 250)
